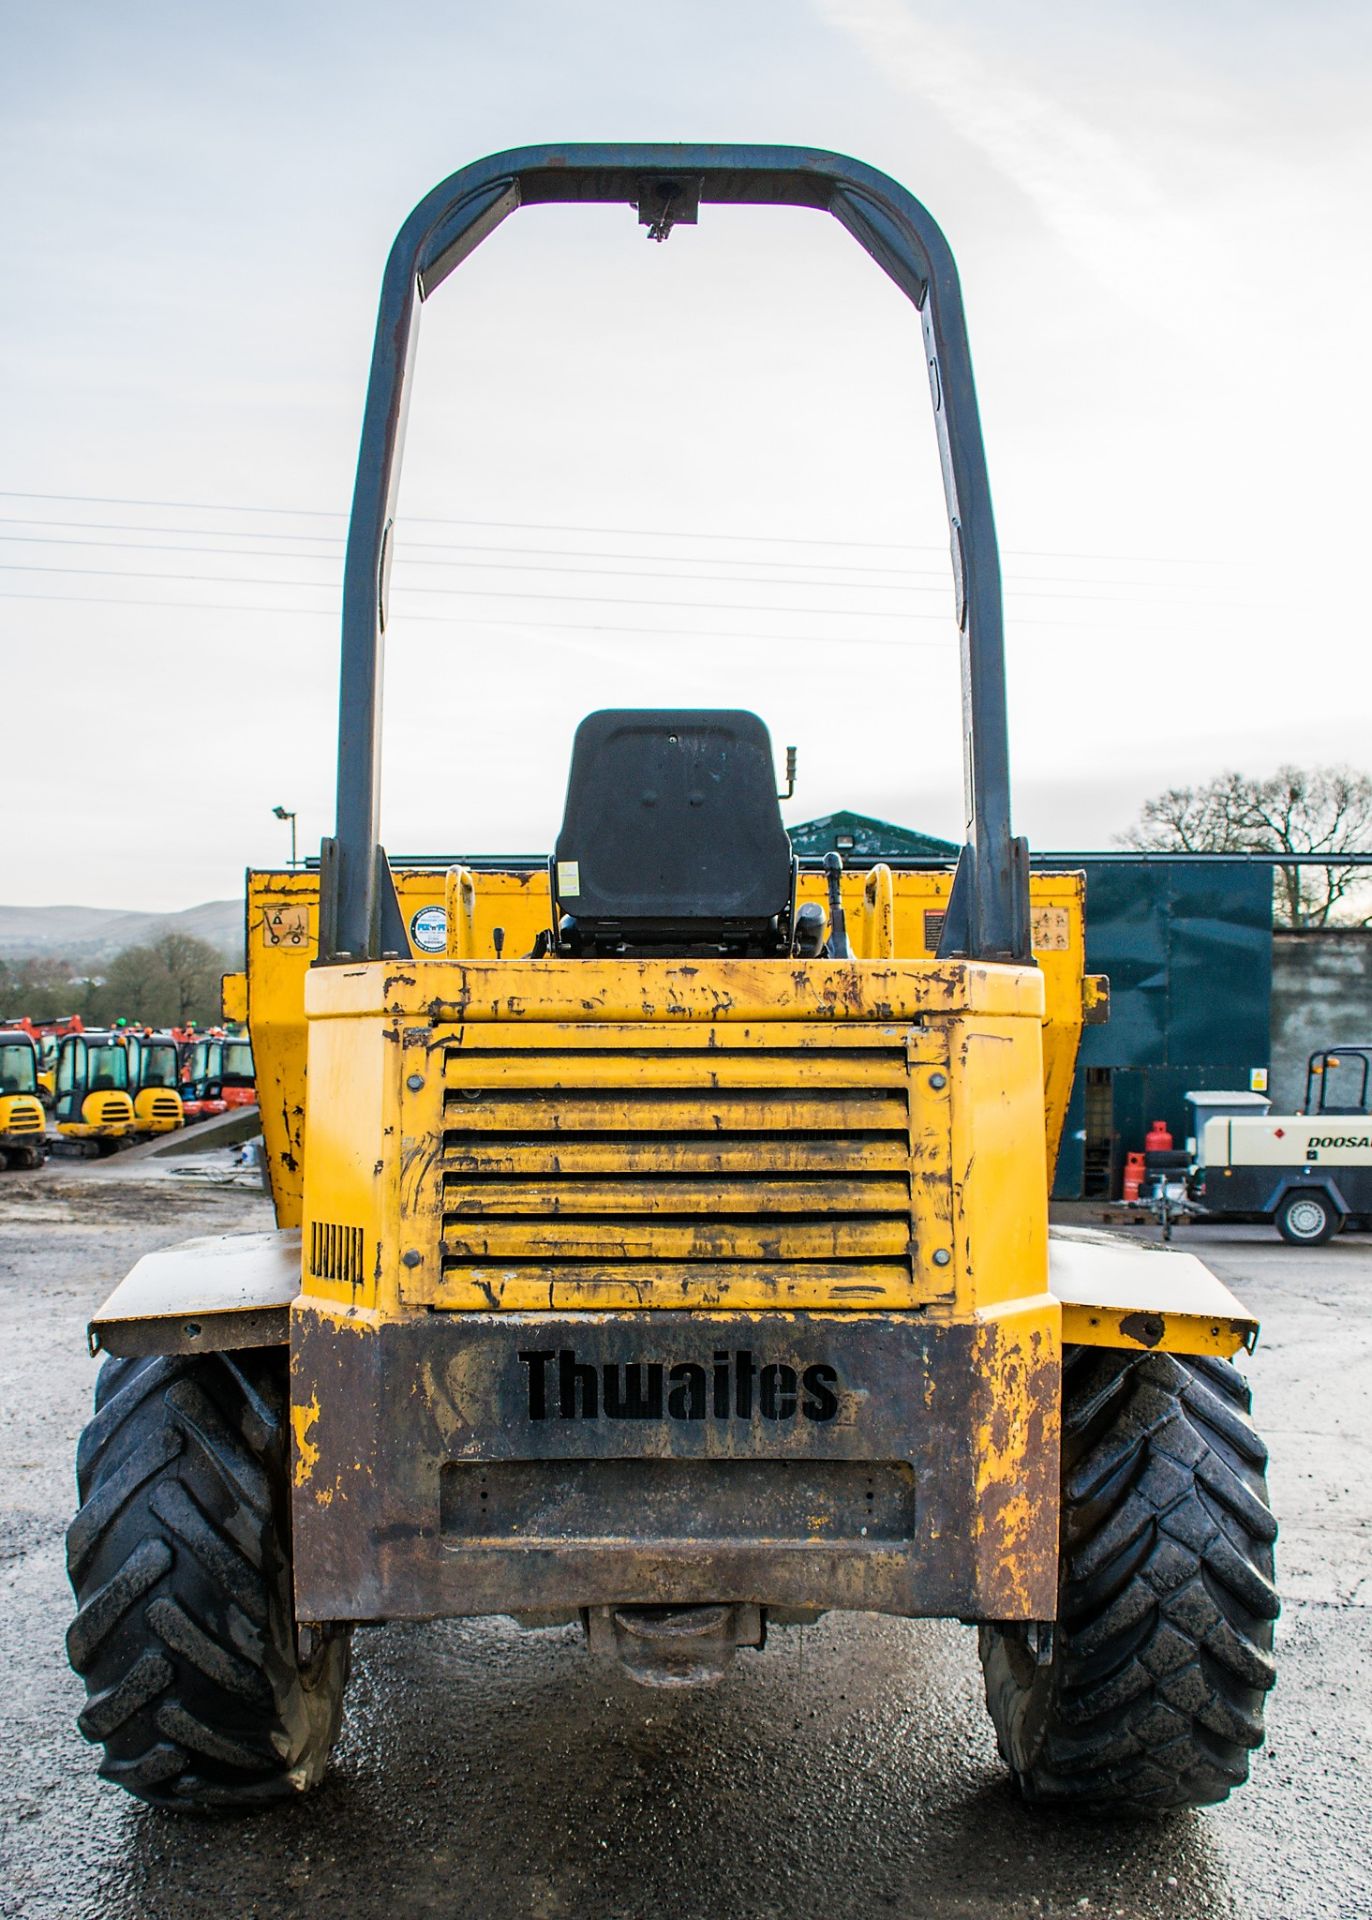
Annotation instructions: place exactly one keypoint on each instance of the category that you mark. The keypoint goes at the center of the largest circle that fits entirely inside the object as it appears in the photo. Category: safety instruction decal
(1050, 929)
(286, 927)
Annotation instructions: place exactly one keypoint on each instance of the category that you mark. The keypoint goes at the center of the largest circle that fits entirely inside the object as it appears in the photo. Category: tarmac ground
(849, 1769)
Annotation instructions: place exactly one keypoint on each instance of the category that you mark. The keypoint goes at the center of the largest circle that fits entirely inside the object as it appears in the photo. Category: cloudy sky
(701, 473)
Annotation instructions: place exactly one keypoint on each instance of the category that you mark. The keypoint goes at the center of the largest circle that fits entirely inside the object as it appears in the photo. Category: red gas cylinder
(1133, 1175)
(1158, 1138)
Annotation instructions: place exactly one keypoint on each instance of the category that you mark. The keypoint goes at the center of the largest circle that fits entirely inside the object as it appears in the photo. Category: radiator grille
(678, 1170)
(26, 1119)
(336, 1252)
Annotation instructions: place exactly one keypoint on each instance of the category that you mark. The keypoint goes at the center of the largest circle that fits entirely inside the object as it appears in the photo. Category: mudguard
(203, 1296)
(1120, 1293)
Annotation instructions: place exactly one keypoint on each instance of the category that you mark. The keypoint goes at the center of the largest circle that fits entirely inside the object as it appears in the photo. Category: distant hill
(98, 933)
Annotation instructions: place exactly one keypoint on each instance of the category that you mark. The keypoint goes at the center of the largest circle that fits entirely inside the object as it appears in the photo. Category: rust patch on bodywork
(1147, 1329)
(303, 1420)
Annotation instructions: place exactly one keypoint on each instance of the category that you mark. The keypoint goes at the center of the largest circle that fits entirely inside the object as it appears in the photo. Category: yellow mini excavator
(23, 1123)
(662, 1228)
(154, 1081)
(92, 1101)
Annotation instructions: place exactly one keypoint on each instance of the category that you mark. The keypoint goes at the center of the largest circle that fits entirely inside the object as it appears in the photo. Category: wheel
(198, 1687)
(1306, 1218)
(1149, 1694)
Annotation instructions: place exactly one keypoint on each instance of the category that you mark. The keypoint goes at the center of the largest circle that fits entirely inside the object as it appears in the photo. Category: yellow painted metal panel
(876, 922)
(760, 1195)
(671, 1112)
(1016, 1446)
(1000, 1243)
(1176, 1332)
(805, 1153)
(633, 1238)
(351, 1170)
(801, 1077)
(282, 932)
(233, 997)
(480, 1038)
(725, 991)
(651, 1067)
(22, 1113)
(604, 1287)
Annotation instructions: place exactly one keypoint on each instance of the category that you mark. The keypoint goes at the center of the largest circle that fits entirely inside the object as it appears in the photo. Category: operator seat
(672, 838)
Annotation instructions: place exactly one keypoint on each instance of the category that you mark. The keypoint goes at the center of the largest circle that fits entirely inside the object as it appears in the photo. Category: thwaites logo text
(734, 1385)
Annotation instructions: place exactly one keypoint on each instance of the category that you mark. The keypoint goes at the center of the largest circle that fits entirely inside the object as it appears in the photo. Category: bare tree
(167, 983)
(1325, 810)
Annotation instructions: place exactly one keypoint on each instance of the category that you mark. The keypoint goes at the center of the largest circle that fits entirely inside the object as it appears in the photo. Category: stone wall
(1321, 997)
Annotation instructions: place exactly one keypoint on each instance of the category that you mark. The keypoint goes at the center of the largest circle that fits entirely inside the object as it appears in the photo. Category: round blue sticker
(429, 930)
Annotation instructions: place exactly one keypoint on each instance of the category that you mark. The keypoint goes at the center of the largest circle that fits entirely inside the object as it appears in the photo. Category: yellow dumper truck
(662, 1231)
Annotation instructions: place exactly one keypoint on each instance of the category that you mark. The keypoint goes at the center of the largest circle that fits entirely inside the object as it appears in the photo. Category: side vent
(336, 1252)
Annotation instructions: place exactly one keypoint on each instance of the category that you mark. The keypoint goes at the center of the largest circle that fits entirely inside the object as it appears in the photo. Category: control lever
(839, 948)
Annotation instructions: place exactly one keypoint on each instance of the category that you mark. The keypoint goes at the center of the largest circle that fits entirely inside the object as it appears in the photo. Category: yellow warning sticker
(286, 927)
(1050, 929)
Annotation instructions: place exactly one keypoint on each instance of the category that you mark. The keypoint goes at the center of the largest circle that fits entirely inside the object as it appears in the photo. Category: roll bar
(988, 915)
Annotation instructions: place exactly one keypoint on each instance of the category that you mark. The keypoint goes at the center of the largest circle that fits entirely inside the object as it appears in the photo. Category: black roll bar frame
(988, 915)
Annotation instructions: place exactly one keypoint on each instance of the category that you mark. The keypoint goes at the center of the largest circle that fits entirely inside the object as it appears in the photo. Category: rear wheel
(1307, 1219)
(200, 1690)
(1149, 1693)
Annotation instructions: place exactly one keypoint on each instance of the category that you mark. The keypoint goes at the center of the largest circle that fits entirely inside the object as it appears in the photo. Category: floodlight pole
(285, 813)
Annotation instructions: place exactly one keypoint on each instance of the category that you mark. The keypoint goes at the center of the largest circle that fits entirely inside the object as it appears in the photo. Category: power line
(534, 627)
(407, 545)
(615, 600)
(544, 526)
(1068, 589)
(478, 593)
(516, 565)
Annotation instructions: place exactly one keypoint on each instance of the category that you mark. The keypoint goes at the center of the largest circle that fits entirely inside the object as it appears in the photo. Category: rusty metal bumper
(449, 1464)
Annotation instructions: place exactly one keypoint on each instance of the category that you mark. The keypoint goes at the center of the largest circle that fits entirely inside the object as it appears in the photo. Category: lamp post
(285, 813)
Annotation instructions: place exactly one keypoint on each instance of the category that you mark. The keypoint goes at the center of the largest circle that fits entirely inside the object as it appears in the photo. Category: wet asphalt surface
(846, 1770)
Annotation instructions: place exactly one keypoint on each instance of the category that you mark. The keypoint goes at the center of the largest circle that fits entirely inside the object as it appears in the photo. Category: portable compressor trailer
(1309, 1172)
(663, 1232)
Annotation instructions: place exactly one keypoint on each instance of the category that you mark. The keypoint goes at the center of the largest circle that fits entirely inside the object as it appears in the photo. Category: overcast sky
(701, 473)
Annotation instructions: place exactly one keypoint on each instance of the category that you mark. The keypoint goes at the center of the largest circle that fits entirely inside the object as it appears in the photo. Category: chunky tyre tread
(1153, 1695)
(184, 1632)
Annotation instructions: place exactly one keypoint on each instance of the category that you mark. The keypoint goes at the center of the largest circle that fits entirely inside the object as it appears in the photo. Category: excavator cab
(154, 1081)
(93, 1102)
(237, 1082)
(23, 1122)
(202, 1076)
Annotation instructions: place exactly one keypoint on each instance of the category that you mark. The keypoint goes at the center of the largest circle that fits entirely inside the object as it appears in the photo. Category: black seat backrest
(672, 832)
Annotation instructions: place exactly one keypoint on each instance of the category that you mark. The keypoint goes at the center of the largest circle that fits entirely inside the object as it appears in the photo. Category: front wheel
(1307, 1219)
(1148, 1693)
(200, 1690)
